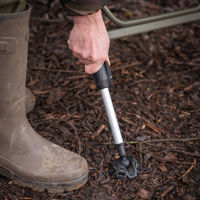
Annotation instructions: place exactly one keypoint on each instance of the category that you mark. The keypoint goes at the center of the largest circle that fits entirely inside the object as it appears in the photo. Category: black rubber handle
(103, 77)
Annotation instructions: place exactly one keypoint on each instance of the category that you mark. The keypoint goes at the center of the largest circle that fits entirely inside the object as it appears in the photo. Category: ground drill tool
(125, 166)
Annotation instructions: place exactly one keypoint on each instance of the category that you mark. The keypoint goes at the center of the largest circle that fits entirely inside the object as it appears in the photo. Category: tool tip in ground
(125, 167)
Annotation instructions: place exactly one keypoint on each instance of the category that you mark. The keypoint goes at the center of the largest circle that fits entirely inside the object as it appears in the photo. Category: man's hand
(89, 41)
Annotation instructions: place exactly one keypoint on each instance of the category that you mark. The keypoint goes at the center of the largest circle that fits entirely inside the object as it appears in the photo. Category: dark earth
(156, 95)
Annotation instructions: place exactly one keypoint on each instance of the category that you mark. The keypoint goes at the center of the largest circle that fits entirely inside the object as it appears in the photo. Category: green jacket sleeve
(82, 7)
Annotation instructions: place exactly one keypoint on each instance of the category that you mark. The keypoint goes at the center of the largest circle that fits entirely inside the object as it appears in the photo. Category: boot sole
(39, 186)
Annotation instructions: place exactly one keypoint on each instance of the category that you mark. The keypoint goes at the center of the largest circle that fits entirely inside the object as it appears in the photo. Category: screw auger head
(125, 167)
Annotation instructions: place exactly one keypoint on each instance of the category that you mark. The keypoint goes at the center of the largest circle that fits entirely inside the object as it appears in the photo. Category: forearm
(83, 7)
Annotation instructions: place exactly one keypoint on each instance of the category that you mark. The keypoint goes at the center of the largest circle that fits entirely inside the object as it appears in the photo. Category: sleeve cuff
(80, 8)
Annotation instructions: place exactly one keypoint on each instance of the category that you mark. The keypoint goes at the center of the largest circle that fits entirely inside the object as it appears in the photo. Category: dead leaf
(128, 13)
(55, 95)
(143, 126)
(143, 194)
(170, 157)
(162, 168)
(92, 86)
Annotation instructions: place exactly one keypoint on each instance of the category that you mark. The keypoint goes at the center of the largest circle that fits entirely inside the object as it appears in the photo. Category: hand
(89, 41)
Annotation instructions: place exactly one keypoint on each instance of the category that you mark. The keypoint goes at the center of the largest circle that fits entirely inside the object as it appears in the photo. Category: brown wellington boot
(25, 156)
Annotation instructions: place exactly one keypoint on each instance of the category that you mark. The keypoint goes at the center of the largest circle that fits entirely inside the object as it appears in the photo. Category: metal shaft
(150, 26)
(146, 20)
(111, 116)
(137, 26)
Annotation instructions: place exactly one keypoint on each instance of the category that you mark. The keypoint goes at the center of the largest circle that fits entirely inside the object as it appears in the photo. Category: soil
(156, 95)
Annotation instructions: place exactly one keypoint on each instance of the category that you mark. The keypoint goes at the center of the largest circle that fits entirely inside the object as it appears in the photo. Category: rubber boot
(25, 156)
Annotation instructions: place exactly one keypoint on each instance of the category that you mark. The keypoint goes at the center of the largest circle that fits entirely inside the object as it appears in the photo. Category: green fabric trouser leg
(9, 6)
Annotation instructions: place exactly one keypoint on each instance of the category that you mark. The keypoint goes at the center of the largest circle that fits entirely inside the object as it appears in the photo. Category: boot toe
(62, 165)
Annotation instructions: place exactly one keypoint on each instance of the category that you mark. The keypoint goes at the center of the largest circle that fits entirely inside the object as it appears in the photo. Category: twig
(40, 92)
(54, 70)
(79, 142)
(184, 152)
(195, 84)
(128, 121)
(174, 161)
(100, 129)
(178, 151)
(126, 66)
(165, 140)
(152, 126)
(140, 151)
(81, 90)
(189, 170)
(162, 140)
(169, 189)
(77, 77)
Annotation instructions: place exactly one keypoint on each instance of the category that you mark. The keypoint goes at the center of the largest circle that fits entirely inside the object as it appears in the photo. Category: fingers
(90, 62)
(93, 68)
(90, 56)
(90, 66)
(85, 62)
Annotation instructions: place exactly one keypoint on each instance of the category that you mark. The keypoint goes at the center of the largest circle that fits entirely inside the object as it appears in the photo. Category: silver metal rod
(111, 116)
(145, 20)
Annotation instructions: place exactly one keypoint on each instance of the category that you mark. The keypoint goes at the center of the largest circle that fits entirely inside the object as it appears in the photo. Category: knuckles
(90, 56)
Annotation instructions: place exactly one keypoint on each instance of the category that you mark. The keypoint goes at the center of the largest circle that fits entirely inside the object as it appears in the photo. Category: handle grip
(103, 77)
